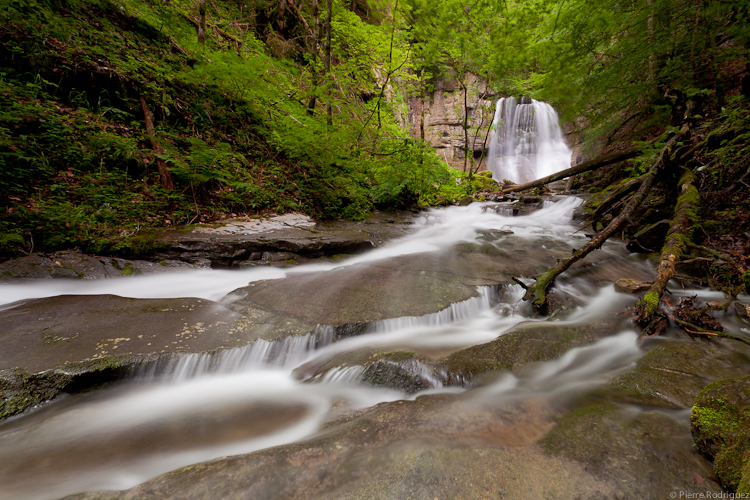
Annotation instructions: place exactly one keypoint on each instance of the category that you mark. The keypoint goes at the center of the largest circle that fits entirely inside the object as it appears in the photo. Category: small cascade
(346, 374)
(527, 142)
(290, 351)
(460, 311)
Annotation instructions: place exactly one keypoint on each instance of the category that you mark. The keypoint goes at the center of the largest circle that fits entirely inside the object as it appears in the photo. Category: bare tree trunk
(466, 122)
(651, 55)
(329, 110)
(313, 54)
(421, 109)
(579, 169)
(202, 21)
(165, 177)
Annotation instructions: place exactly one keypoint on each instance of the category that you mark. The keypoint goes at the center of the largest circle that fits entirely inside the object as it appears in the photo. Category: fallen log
(537, 293)
(678, 239)
(613, 199)
(579, 169)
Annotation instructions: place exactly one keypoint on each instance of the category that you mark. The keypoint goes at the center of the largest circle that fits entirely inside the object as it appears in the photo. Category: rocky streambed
(409, 370)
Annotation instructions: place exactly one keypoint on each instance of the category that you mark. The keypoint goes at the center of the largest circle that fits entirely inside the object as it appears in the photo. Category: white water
(527, 142)
(200, 407)
(437, 230)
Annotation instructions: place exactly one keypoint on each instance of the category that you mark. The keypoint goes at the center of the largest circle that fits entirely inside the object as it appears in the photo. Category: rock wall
(442, 113)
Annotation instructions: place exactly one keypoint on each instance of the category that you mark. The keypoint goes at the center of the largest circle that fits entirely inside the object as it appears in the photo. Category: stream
(198, 407)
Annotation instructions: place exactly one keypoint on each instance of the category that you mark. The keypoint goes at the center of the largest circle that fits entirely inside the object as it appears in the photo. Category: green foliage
(78, 168)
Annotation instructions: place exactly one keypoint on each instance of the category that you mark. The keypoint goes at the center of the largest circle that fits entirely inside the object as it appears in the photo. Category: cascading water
(527, 142)
(197, 407)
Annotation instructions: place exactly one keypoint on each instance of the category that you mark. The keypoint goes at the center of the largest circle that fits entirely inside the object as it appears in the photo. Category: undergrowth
(78, 168)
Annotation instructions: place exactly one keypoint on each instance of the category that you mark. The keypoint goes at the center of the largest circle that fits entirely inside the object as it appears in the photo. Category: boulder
(628, 285)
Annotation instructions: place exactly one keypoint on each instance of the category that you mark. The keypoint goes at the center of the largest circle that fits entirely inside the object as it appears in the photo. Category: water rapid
(196, 407)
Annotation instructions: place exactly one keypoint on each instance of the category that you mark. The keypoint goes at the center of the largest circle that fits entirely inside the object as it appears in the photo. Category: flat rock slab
(235, 241)
(672, 373)
(407, 285)
(447, 446)
(72, 264)
(355, 294)
(42, 334)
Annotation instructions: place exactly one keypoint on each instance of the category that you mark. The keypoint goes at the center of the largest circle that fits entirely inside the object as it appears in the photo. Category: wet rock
(354, 294)
(531, 200)
(627, 285)
(492, 234)
(405, 371)
(466, 200)
(49, 344)
(527, 343)
(647, 454)
(449, 446)
(720, 423)
(21, 390)
(742, 309)
(72, 264)
(236, 243)
(42, 334)
(674, 372)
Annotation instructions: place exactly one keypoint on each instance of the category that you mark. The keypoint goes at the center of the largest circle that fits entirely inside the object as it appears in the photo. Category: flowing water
(527, 142)
(202, 406)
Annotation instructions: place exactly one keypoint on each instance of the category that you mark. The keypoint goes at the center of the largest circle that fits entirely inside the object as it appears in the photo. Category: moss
(720, 423)
(128, 270)
(650, 303)
(565, 439)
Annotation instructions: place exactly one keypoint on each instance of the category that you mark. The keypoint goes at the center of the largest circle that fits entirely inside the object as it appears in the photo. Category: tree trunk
(678, 238)
(165, 177)
(202, 21)
(578, 169)
(466, 123)
(421, 109)
(329, 111)
(313, 55)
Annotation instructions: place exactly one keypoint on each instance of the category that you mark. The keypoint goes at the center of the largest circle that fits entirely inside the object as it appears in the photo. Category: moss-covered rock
(720, 423)
(21, 390)
(673, 373)
(528, 343)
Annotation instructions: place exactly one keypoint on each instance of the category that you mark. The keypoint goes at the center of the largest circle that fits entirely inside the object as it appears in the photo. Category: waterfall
(527, 142)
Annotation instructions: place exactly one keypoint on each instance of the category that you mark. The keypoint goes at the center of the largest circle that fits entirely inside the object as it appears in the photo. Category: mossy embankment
(232, 123)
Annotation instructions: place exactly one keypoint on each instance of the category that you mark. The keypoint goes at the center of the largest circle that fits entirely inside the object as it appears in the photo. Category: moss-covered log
(537, 293)
(678, 239)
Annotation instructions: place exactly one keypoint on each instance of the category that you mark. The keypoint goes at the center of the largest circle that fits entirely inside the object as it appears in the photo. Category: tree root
(697, 330)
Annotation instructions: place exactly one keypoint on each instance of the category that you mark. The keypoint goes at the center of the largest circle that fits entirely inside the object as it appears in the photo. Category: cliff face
(442, 114)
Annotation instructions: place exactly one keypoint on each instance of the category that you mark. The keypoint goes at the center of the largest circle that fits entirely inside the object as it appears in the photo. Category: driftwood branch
(537, 293)
(694, 329)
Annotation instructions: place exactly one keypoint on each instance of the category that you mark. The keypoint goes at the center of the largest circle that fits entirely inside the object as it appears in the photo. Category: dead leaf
(697, 478)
